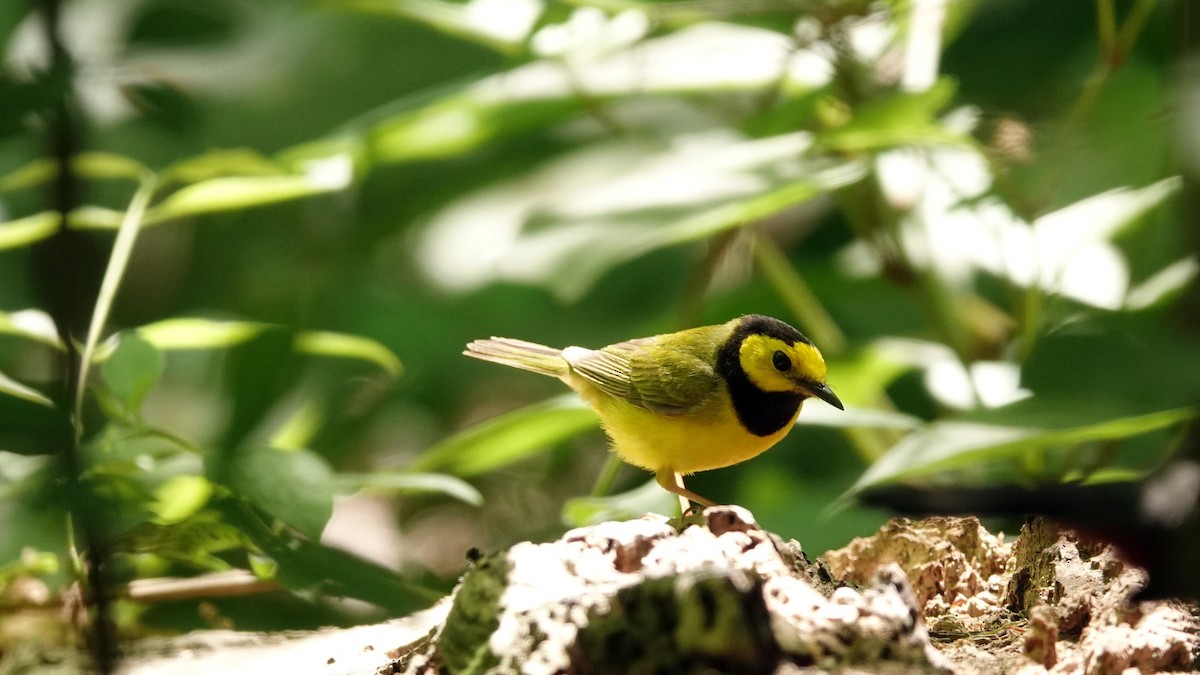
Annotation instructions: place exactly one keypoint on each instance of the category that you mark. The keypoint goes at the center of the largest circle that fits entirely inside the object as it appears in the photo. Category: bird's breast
(710, 436)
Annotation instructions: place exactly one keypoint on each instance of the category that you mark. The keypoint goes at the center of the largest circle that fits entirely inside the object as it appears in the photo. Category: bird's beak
(823, 392)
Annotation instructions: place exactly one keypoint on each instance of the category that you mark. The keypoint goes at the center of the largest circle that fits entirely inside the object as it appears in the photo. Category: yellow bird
(700, 399)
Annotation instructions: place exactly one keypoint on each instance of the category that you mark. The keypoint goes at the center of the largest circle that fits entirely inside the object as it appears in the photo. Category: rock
(1052, 603)
(1041, 640)
(954, 564)
(717, 595)
(1054, 567)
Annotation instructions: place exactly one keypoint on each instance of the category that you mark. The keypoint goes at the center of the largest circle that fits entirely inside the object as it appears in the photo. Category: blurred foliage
(306, 209)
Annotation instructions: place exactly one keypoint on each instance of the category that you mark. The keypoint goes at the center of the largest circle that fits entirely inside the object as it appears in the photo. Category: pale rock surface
(717, 595)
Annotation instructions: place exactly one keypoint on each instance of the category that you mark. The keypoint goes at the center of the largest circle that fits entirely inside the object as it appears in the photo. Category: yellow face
(774, 365)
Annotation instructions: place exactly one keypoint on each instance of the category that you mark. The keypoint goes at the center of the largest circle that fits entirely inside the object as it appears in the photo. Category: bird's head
(779, 358)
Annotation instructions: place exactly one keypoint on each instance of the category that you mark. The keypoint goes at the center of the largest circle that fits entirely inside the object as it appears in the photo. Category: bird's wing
(660, 378)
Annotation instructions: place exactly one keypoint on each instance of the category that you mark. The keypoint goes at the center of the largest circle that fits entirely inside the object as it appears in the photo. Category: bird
(698, 399)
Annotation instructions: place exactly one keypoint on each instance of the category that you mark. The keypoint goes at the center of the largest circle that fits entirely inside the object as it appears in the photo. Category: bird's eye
(782, 362)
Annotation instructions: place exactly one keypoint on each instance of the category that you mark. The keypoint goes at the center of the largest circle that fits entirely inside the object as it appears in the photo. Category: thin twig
(700, 279)
(1110, 62)
(608, 475)
(228, 584)
(1106, 25)
(797, 295)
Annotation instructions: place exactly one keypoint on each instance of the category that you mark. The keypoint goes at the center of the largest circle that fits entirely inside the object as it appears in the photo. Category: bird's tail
(520, 354)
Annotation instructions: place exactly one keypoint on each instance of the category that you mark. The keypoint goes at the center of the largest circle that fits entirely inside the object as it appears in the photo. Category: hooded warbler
(702, 398)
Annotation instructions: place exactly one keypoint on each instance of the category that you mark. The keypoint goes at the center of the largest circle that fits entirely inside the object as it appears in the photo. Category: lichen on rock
(721, 595)
(717, 594)
(1053, 602)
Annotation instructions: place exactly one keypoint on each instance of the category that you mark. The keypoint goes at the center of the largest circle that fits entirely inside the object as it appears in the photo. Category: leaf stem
(1115, 44)
(700, 279)
(113, 273)
(1130, 29)
(797, 295)
(1106, 25)
(608, 475)
(1111, 60)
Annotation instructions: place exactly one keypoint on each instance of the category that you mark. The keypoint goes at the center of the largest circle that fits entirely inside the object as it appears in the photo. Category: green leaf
(194, 541)
(32, 422)
(195, 333)
(31, 563)
(864, 375)
(305, 564)
(263, 567)
(32, 174)
(235, 193)
(637, 203)
(1164, 286)
(819, 178)
(16, 389)
(1120, 369)
(33, 324)
(89, 217)
(904, 118)
(1110, 474)
(1028, 426)
(346, 148)
(1105, 216)
(408, 483)
(294, 486)
(107, 166)
(132, 370)
(649, 498)
(452, 18)
(221, 163)
(579, 267)
(189, 333)
(88, 165)
(817, 414)
(300, 427)
(258, 375)
(28, 230)
(509, 437)
(180, 498)
(458, 124)
(704, 59)
(342, 345)
(16, 468)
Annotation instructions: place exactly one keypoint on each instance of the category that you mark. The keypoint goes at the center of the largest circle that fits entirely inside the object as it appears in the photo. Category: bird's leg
(672, 482)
